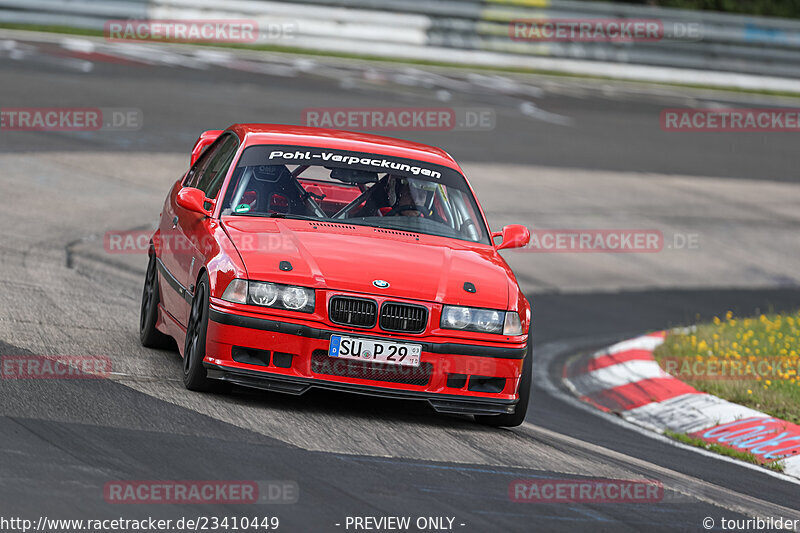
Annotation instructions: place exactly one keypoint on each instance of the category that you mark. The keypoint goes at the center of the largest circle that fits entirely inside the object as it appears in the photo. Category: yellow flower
(749, 391)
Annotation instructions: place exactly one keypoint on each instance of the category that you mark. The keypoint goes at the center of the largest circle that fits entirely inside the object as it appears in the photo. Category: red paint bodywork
(339, 259)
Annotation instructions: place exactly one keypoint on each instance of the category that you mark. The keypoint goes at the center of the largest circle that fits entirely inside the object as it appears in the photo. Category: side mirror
(193, 200)
(203, 142)
(514, 236)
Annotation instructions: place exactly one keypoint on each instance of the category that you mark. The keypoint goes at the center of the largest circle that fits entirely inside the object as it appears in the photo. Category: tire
(518, 417)
(194, 351)
(149, 336)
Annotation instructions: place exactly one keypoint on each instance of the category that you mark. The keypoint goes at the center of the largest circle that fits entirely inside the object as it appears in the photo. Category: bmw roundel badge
(381, 284)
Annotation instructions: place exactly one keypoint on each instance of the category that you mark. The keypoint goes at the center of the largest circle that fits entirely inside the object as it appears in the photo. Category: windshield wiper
(276, 215)
(289, 215)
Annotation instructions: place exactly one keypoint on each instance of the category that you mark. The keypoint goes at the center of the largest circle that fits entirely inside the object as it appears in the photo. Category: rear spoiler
(205, 139)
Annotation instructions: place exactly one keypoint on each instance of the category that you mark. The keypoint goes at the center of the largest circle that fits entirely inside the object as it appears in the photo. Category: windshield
(353, 187)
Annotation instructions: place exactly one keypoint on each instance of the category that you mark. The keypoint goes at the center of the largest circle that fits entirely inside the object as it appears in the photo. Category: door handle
(174, 221)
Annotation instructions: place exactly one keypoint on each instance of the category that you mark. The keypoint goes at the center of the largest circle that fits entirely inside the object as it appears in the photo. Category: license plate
(393, 353)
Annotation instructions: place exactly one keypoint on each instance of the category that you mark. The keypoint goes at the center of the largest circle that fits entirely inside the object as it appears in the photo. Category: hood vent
(316, 225)
(395, 232)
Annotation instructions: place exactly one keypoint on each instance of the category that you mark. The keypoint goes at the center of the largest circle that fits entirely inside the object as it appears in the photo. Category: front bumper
(292, 358)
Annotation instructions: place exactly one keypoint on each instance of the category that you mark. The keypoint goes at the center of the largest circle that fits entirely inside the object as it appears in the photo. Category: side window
(213, 173)
(196, 171)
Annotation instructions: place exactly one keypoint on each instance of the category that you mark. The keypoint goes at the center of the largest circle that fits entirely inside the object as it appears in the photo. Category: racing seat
(275, 190)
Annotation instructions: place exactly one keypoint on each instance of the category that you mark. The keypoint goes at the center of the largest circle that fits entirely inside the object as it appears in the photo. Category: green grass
(367, 57)
(769, 345)
(769, 8)
(52, 29)
(776, 466)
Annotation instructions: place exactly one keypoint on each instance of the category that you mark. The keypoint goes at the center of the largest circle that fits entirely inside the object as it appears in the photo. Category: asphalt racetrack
(562, 154)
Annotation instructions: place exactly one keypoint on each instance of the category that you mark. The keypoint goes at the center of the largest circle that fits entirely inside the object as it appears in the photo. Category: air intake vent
(404, 318)
(356, 312)
(333, 366)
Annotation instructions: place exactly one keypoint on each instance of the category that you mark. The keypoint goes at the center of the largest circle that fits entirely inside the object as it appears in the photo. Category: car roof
(253, 134)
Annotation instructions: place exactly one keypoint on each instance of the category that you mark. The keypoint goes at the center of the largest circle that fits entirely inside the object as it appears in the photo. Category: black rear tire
(518, 416)
(149, 336)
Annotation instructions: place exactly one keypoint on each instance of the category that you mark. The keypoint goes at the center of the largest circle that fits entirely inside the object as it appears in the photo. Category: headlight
(481, 320)
(488, 320)
(270, 295)
(472, 319)
(456, 317)
(296, 298)
(265, 294)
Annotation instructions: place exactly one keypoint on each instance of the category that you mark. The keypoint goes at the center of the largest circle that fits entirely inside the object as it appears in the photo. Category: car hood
(349, 258)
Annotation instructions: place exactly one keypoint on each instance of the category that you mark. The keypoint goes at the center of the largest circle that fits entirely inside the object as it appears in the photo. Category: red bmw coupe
(288, 258)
